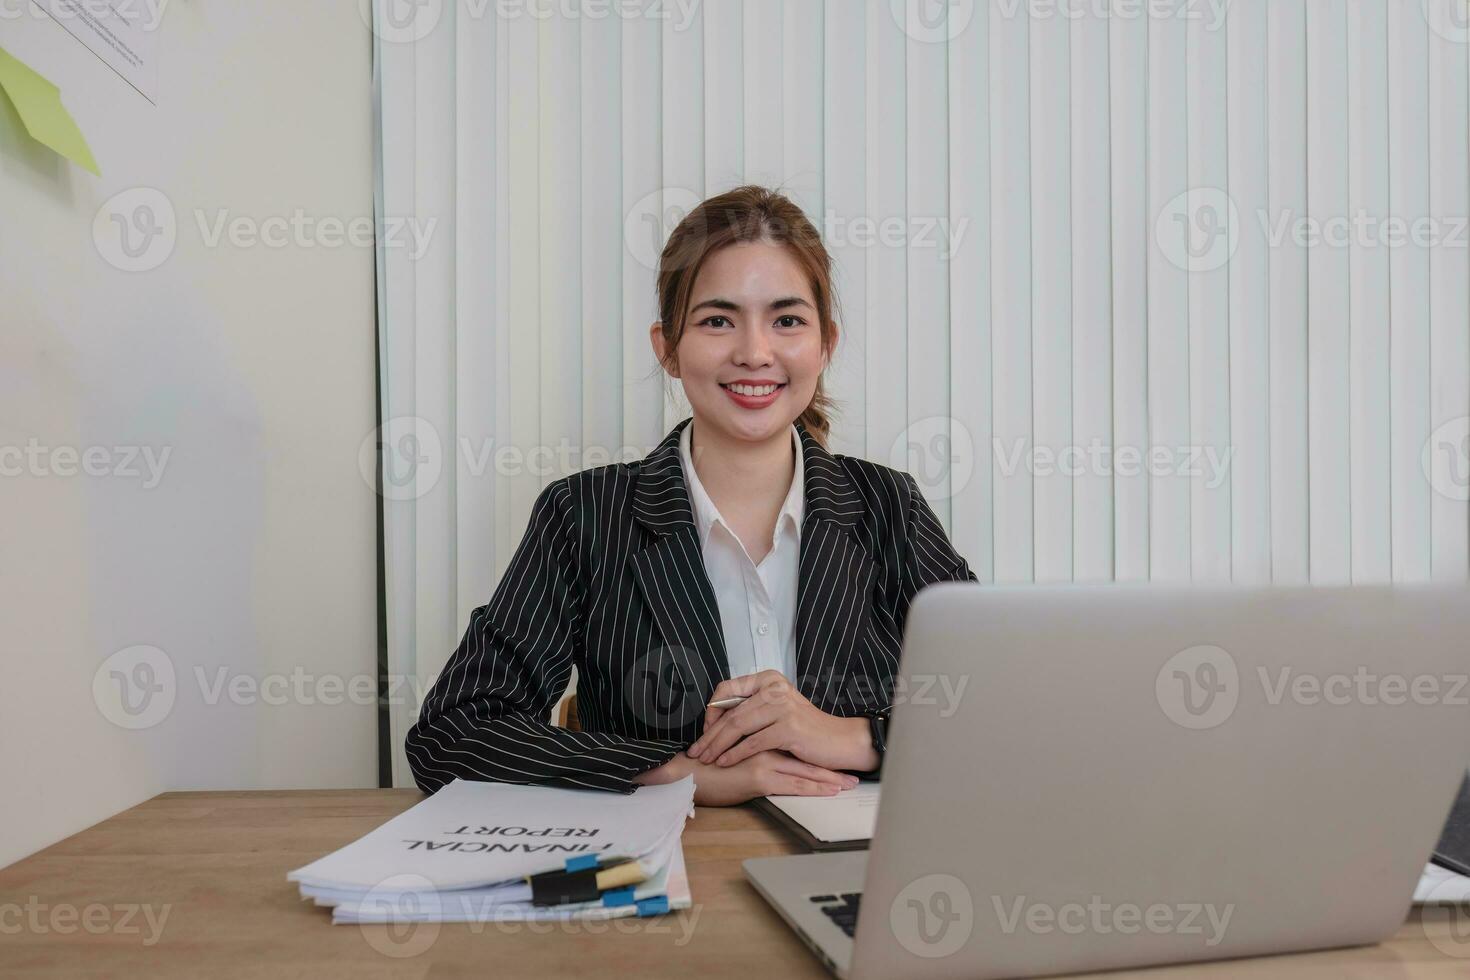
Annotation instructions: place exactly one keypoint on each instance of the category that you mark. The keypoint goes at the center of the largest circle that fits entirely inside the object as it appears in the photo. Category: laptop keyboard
(841, 909)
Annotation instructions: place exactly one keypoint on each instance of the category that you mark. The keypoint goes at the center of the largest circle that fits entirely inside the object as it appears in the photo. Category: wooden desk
(215, 864)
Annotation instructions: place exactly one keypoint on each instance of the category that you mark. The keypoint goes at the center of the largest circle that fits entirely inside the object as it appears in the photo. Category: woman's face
(751, 352)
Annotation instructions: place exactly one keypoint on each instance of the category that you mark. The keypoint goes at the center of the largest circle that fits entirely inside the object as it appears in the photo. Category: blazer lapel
(670, 571)
(835, 583)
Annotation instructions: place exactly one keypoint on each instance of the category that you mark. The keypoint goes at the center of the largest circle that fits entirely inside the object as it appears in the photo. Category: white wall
(252, 366)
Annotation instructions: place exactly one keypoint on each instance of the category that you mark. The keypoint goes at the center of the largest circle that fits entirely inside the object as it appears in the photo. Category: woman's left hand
(775, 715)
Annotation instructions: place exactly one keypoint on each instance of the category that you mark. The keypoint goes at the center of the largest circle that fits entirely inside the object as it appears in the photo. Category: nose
(753, 346)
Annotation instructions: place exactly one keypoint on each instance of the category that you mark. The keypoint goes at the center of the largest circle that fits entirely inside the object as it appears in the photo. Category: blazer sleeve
(928, 557)
(486, 717)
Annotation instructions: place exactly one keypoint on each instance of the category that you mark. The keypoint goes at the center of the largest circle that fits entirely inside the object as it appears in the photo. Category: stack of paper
(476, 852)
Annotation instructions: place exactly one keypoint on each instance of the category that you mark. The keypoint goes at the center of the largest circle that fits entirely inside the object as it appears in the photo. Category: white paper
(123, 33)
(850, 815)
(1441, 885)
(672, 882)
(407, 891)
(464, 836)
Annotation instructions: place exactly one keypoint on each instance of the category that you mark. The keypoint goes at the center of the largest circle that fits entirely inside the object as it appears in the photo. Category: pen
(725, 703)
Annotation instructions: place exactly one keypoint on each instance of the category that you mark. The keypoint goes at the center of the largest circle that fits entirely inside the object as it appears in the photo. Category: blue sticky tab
(617, 897)
(582, 862)
(657, 905)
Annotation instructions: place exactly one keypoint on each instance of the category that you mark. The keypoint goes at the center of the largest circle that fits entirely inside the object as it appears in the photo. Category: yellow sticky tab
(39, 104)
(620, 876)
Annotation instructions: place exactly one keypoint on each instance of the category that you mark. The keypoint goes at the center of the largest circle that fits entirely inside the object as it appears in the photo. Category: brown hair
(747, 214)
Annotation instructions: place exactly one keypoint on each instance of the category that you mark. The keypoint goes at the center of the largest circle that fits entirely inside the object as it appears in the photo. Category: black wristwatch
(878, 726)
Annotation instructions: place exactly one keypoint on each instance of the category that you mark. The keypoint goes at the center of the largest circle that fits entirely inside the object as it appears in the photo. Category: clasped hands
(776, 742)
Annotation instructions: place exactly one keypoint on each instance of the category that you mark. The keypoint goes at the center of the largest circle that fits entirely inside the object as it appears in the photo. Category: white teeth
(754, 390)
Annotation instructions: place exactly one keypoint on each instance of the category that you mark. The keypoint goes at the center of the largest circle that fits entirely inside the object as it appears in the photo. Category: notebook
(843, 822)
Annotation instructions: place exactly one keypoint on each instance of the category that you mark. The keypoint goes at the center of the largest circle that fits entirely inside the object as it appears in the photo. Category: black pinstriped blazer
(610, 578)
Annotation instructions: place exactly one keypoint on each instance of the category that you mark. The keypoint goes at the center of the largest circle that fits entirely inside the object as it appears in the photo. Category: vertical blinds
(1137, 289)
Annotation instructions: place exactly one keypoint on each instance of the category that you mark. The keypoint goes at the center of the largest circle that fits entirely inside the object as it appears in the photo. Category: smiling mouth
(754, 391)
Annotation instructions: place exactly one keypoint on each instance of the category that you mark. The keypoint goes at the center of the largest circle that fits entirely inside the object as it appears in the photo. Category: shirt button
(763, 629)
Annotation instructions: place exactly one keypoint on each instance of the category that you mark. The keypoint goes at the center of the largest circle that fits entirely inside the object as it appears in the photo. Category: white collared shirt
(757, 602)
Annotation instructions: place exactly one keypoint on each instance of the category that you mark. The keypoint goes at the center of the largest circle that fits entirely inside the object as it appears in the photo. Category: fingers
(792, 766)
(738, 722)
(784, 784)
(744, 686)
(728, 716)
(763, 740)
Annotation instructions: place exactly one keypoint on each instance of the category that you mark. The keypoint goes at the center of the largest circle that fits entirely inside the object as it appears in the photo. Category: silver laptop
(1088, 778)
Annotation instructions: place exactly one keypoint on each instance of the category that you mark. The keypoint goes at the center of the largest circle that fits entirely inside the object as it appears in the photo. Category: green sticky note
(40, 108)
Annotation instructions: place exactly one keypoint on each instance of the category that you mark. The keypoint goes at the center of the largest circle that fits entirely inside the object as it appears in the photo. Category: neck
(739, 473)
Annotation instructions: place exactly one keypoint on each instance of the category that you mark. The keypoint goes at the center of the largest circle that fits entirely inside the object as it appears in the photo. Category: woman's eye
(714, 321)
(790, 321)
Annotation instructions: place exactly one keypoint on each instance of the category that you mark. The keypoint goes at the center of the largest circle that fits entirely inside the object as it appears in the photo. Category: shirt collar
(705, 511)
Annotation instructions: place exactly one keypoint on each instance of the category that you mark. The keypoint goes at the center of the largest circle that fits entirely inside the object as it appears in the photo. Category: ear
(656, 338)
(836, 333)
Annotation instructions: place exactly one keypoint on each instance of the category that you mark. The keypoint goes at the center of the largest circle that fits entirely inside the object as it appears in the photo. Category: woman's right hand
(769, 773)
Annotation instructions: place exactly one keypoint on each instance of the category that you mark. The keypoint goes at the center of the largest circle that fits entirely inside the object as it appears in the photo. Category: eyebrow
(720, 303)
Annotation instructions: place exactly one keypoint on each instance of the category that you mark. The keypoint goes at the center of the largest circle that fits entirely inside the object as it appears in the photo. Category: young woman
(739, 559)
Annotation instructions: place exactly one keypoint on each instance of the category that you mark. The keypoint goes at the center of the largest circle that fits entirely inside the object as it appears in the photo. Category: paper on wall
(123, 33)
